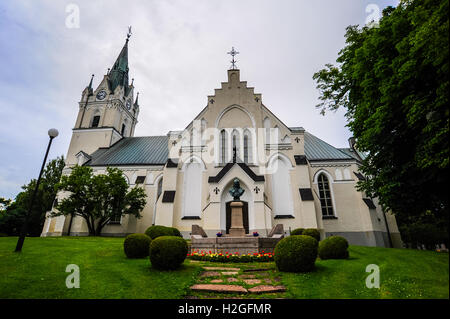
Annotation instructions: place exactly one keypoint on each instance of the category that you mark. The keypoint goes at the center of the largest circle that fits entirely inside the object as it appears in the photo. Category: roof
(144, 150)
(153, 150)
(316, 149)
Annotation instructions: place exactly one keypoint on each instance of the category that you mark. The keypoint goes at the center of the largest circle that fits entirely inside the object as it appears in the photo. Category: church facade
(289, 176)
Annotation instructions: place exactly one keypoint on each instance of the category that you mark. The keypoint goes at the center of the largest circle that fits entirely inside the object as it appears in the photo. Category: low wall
(240, 245)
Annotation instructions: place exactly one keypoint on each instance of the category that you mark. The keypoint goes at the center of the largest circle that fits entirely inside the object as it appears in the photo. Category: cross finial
(233, 52)
(129, 33)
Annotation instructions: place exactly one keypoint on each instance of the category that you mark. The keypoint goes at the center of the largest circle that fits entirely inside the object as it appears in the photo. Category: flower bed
(232, 258)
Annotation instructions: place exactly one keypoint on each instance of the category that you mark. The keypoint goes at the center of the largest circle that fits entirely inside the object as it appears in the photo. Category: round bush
(333, 247)
(297, 231)
(176, 232)
(296, 253)
(136, 245)
(168, 252)
(157, 231)
(314, 233)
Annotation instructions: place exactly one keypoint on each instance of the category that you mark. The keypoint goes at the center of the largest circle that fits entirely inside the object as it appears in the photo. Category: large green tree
(99, 198)
(392, 80)
(12, 216)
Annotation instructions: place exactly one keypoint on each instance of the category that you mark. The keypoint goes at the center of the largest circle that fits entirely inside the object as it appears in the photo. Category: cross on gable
(256, 189)
(233, 53)
(211, 101)
(297, 139)
(216, 190)
(174, 143)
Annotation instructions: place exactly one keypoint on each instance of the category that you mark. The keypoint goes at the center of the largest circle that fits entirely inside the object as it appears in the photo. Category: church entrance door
(244, 216)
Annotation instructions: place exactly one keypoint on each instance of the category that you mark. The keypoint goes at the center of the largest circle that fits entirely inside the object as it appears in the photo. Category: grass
(404, 274)
(105, 272)
(39, 270)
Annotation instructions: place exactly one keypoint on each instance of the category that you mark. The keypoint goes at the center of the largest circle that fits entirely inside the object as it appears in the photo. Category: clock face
(101, 95)
(128, 104)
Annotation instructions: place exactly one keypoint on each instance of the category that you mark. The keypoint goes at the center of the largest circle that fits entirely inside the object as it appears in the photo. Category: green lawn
(105, 272)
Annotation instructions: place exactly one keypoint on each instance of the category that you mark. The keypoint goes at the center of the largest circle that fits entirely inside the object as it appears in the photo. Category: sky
(177, 56)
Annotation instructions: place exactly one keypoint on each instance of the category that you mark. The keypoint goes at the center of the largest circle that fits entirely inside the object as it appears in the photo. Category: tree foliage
(392, 80)
(99, 198)
(12, 216)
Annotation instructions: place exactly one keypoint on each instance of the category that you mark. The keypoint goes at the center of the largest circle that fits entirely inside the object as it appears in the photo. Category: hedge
(333, 247)
(296, 253)
(168, 252)
(136, 245)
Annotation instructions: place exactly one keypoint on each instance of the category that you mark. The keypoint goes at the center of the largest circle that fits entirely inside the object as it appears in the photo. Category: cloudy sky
(177, 56)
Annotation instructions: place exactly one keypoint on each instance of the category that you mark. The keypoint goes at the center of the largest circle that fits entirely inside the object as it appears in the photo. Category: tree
(99, 198)
(13, 214)
(392, 80)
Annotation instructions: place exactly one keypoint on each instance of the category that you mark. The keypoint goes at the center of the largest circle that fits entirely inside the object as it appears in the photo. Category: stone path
(243, 282)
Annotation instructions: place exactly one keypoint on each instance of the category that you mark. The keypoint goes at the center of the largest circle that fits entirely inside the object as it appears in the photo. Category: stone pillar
(237, 224)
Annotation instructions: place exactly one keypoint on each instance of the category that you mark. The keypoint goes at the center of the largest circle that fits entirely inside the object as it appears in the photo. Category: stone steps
(222, 275)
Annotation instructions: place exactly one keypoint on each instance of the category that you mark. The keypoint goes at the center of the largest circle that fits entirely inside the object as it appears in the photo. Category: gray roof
(143, 150)
(153, 150)
(316, 149)
(352, 153)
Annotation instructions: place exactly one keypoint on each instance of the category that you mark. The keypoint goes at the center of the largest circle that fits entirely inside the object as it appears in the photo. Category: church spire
(118, 75)
(90, 83)
(136, 103)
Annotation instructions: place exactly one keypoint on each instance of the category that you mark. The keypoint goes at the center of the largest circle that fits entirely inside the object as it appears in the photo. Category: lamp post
(52, 133)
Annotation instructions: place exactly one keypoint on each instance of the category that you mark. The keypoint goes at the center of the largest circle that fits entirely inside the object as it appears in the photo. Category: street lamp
(52, 133)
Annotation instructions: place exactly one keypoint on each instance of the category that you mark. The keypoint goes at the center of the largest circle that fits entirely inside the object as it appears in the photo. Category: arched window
(347, 174)
(159, 189)
(95, 121)
(247, 146)
(236, 141)
(203, 125)
(123, 129)
(325, 195)
(338, 174)
(267, 129)
(281, 190)
(223, 146)
(192, 189)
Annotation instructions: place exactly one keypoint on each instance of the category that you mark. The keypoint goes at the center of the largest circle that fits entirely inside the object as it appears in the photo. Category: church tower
(105, 114)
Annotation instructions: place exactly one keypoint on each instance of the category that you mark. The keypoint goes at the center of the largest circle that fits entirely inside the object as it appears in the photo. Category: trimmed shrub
(297, 231)
(176, 232)
(314, 233)
(136, 245)
(157, 231)
(168, 252)
(296, 253)
(333, 247)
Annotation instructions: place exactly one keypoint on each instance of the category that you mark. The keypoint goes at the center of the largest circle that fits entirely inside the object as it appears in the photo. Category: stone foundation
(241, 245)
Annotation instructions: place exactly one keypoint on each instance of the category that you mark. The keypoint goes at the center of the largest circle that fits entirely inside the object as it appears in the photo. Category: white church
(290, 176)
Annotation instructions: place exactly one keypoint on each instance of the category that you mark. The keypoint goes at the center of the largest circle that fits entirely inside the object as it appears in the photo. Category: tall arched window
(159, 189)
(281, 189)
(223, 147)
(235, 143)
(203, 125)
(247, 146)
(192, 189)
(267, 129)
(325, 195)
